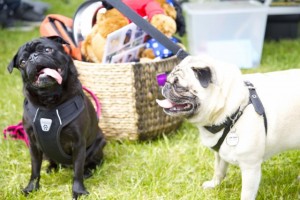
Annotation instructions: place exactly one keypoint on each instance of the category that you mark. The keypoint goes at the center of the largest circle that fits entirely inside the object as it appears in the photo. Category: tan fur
(148, 53)
(225, 94)
(169, 10)
(93, 46)
(164, 24)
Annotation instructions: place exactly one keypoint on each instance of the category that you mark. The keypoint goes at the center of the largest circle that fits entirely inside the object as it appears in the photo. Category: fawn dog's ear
(204, 76)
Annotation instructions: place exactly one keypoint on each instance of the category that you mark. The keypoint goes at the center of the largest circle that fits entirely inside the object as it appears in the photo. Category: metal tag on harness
(45, 124)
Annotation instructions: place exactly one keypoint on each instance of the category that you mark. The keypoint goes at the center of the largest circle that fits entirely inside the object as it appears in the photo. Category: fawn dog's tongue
(52, 73)
(164, 103)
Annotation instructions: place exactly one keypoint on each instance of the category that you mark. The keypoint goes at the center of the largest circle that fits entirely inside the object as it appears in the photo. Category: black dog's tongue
(52, 73)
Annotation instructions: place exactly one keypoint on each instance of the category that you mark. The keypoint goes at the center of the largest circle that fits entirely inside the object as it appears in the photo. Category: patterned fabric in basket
(127, 93)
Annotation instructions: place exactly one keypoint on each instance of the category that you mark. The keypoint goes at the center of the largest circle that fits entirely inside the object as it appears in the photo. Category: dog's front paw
(210, 184)
(32, 186)
(77, 194)
(79, 190)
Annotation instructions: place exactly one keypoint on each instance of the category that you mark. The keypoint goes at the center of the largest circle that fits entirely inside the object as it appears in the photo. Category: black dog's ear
(58, 39)
(204, 76)
(12, 64)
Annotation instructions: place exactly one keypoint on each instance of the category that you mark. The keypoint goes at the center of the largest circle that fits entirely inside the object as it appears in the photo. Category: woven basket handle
(148, 28)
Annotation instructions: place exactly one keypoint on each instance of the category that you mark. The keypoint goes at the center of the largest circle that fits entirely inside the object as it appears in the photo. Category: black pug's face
(42, 62)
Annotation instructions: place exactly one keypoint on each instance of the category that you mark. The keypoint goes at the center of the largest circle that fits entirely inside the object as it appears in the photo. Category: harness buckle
(251, 87)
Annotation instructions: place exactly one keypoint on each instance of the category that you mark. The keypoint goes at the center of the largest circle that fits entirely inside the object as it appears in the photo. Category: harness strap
(229, 124)
(230, 121)
(216, 128)
(257, 104)
(47, 125)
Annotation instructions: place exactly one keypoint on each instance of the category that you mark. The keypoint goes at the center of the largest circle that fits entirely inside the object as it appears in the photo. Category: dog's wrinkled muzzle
(45, 77)
(51, 73)
(174, 104)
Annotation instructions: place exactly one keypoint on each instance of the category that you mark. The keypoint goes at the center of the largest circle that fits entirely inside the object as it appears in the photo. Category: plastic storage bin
(229, 31)
(283, 22)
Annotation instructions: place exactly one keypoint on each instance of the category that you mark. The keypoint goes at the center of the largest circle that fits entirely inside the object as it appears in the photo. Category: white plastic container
(230, 31)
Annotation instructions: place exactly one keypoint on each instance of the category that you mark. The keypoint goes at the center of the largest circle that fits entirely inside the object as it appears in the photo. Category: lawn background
(173, 167)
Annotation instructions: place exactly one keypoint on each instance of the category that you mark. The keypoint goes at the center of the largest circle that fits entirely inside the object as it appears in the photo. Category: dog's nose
(33, 56)
(167, 85)
(176, 80)
(166, 88)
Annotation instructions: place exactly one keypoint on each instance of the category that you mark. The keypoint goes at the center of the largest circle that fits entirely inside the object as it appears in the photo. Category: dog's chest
(229, 154)
(230, 148)
(47, 126)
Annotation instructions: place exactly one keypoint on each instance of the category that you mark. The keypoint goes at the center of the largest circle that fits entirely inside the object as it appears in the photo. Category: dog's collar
(227, 125)
(48, 123)
(230, 121)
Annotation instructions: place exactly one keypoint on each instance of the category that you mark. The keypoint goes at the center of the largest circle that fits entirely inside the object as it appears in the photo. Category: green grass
(173, 167)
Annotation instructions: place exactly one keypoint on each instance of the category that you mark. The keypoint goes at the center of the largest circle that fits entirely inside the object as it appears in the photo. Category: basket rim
(130, 63)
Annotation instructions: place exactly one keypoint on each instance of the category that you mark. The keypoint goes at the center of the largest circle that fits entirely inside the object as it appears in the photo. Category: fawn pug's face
(186, 87)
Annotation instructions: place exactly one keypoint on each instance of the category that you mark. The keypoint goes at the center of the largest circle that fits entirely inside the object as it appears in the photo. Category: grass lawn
(173, 167)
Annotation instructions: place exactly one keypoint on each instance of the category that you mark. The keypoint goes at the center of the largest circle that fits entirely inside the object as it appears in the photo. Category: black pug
(58, 117)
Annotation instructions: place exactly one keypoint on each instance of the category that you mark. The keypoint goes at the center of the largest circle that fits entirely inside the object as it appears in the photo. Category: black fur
(77, 136)
(180, 21)
(204, 76)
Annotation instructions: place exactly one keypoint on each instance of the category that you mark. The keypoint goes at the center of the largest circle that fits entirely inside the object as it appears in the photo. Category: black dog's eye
(22, 63)
(48, 50)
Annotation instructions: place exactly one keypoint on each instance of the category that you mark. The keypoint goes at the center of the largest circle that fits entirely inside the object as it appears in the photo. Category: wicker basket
(127, 92)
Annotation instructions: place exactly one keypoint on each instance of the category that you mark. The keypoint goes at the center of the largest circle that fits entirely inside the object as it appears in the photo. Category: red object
(147, 8)
(16, 132)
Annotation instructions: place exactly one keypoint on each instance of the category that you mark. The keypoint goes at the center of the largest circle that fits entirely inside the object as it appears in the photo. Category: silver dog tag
(232, 139)
(45, 124)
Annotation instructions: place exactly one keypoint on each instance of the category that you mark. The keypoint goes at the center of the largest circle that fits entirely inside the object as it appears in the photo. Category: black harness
(230, 121)
(47, 125)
